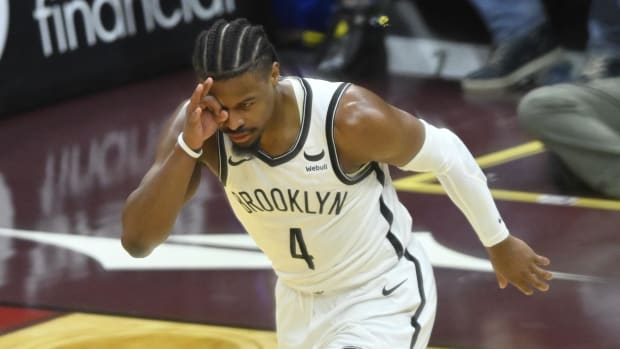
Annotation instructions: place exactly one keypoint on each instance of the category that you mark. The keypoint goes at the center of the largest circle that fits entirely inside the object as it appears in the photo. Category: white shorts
(395, 310)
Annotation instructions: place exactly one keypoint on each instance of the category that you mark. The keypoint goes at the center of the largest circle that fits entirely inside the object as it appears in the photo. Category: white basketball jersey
(323, 229)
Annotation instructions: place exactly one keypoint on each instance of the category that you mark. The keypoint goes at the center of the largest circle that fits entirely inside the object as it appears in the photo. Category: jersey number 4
(298, 240)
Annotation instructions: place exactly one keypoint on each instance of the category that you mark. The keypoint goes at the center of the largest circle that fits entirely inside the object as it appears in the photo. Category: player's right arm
(152, 208)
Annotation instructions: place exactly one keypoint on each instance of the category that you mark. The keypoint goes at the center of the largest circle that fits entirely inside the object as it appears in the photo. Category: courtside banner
(54, 49)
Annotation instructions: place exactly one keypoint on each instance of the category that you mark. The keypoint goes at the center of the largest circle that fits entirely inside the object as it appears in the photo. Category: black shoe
(562, 71)
(356, 48)
(515, 61)
(600, 66)
(567, 181)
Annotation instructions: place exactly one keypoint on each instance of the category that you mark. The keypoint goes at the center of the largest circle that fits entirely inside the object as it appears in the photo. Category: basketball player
(304, 164)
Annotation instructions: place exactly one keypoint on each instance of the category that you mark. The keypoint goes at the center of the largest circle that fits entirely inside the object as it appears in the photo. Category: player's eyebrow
(246, 100)
(243, 101)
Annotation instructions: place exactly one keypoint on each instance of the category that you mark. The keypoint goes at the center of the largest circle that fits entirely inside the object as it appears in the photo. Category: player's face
(249, 100)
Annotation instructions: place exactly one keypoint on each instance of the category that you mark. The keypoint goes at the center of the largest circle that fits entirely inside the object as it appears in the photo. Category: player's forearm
(472, 196)
(152, 209)
(444, 154)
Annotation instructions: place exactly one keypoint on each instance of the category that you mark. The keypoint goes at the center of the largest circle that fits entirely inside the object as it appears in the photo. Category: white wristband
(193, 154)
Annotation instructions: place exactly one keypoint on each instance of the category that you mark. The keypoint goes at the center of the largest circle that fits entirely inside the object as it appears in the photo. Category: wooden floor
(66, 283)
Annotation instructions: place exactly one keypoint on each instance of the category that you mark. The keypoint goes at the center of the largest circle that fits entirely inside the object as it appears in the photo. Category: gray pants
(581, 124)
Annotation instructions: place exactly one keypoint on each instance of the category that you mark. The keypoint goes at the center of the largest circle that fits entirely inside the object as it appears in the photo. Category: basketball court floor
(66, 282)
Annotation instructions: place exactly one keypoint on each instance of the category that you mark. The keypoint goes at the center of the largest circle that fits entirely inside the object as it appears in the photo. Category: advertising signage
(54, 49)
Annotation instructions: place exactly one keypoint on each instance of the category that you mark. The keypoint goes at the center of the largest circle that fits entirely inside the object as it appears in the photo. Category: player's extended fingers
(194, 117)
(542, 260)
(212, 105)
(541, 273)
(194, 100)
(211, 102)
(538, 283)
(221, 117)
(207, 84)
(523, 287)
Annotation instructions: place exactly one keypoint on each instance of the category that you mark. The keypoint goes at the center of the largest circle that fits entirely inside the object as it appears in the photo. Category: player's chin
(250, 144)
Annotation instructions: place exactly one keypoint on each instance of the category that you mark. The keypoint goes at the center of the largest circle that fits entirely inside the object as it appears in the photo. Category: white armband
(445, 154)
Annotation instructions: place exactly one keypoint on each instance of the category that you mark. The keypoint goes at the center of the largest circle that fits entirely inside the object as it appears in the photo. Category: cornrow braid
(228, 49)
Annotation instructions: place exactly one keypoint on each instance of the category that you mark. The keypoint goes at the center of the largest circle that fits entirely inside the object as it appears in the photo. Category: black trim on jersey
(331, 143)
(388, 215)
(385, 211)
(414, 318)
(379, 173)
(400, 251)
(398, 247)
(306, 114)
(221, 150)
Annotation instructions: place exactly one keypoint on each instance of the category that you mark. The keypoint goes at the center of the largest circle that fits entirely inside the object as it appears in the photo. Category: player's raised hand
(516, 263)
(203, 115)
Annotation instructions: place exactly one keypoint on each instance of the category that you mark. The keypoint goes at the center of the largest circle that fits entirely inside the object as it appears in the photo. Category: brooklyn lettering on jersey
(291, 200)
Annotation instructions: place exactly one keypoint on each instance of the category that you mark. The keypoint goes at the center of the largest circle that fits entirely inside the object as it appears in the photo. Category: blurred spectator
(525, 44)
(355, 43)
(301, 22)
(580, 125)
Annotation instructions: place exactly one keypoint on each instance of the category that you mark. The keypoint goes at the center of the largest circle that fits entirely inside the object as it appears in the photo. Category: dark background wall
(55, 49)
(63, 48)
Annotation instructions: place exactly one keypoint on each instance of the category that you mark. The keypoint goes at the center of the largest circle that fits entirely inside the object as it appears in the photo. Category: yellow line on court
(422, 183)
(79, 331)
(492, 159)
(519, 196)
(510, 154)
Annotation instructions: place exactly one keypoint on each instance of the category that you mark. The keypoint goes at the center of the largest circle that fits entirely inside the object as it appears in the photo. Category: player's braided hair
(228, 49)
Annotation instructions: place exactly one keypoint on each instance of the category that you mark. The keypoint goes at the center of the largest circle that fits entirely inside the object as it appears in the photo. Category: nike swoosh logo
(389, 291)
(232, 162)
(314, 157)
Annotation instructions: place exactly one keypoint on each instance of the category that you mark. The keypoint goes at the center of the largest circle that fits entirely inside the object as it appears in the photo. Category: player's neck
(282, 130)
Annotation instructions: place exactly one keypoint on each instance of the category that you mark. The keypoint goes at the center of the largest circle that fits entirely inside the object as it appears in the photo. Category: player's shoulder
(359, 109)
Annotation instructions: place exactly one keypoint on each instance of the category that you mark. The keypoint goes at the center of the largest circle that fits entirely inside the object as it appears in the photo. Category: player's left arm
(369, 129)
